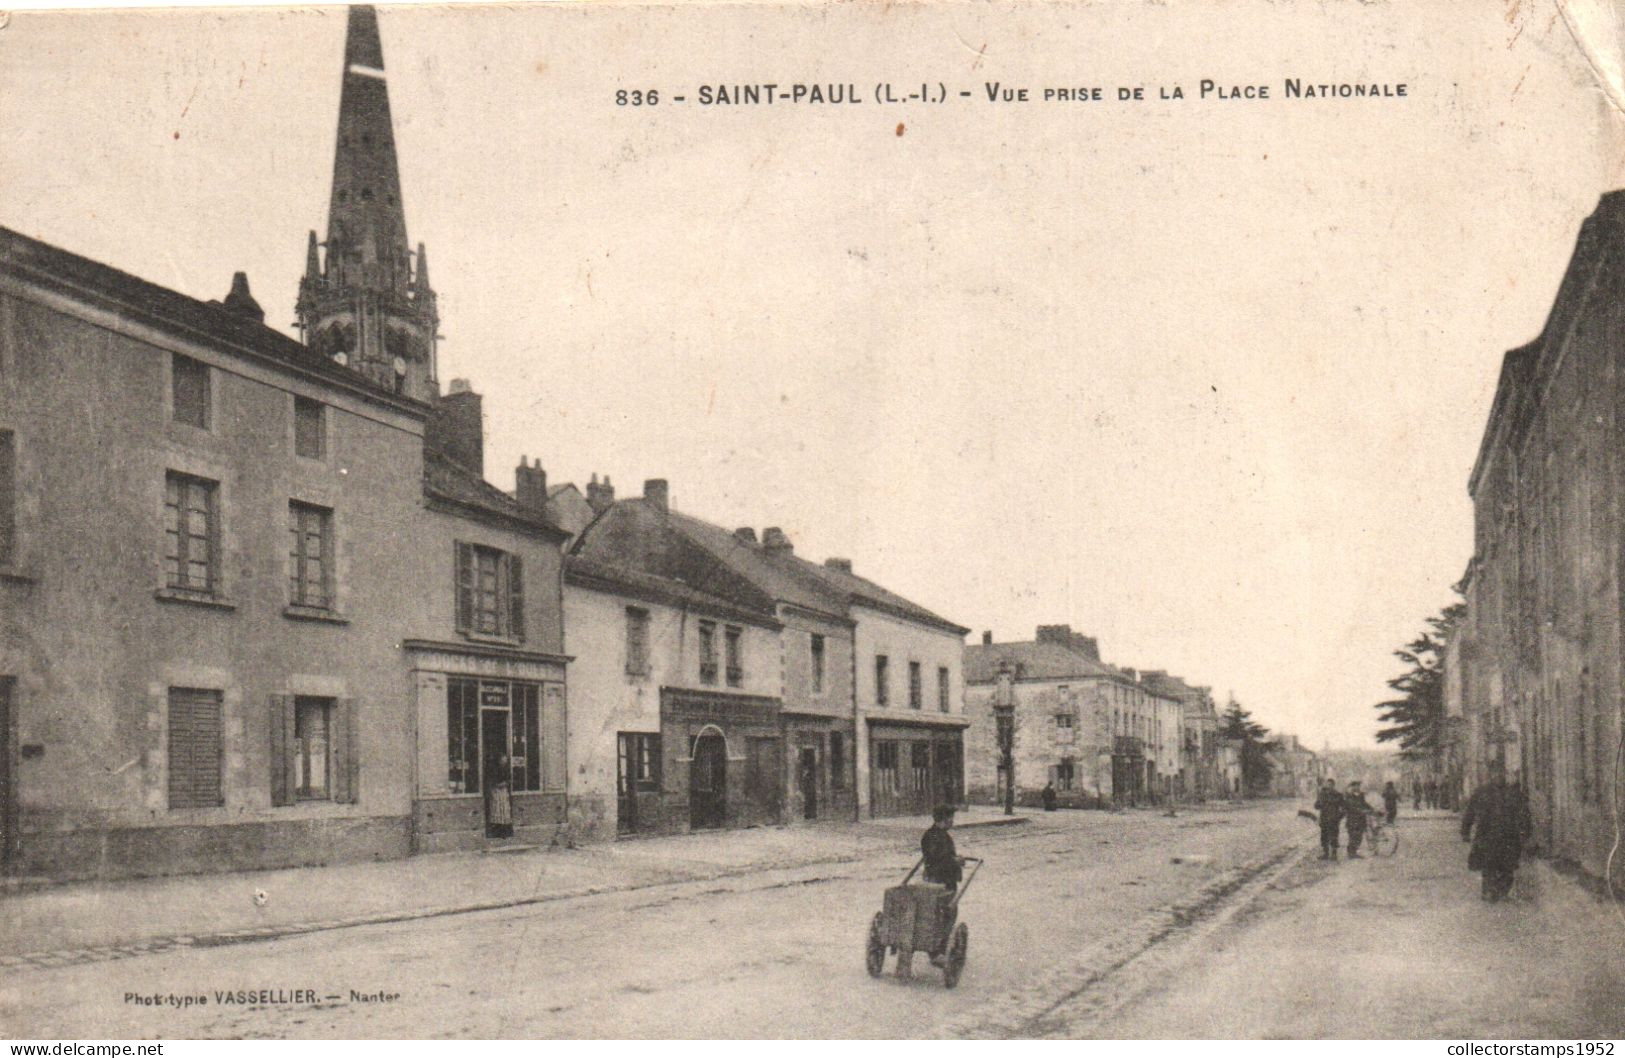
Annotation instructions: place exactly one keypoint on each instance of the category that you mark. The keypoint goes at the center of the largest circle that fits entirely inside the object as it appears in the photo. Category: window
(190, 534)
(882, 680)
(914, 692)
(818, 664)
(194, 748)
(310, 556)
(463, 735)
(490, 592)
(312, 722)
(526, 754)
(637, 641)
(640, 762)
(886, 767)
(1063, 721)
(734, 644)
(708, 652)
(1063, 775)
(189, 388)
(837, 760)
(8, 497)
(309, 428)
(942, 690)
(920, 767)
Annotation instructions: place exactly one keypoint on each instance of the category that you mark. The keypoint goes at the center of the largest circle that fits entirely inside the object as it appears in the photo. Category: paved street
(1082, 924)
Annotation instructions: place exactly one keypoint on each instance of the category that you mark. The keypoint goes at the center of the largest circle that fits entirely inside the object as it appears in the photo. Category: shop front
(915, 766)
(491, 745)
(722, 762)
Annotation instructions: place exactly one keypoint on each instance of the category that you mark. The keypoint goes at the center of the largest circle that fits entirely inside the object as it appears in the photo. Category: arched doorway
(708, 780)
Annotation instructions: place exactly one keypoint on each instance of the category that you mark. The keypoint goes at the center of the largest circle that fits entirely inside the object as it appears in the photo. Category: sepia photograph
(951, 519)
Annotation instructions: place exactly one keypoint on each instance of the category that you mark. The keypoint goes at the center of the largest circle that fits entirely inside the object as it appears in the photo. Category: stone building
(1098, 733)
(1199, 747)
(247, 584)
(1540, 680)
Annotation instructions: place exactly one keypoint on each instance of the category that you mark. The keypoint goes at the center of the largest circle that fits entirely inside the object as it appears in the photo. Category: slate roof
(762, 568)
(177, 313)
(593, 574)
(450, 482)
(1033, 661)
(863, 591)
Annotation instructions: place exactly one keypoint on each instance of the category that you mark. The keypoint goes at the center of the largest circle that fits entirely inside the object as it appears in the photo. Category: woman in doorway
(499, 808)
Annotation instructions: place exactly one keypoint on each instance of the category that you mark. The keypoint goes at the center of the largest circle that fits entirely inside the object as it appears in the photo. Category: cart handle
(917, 864)
(961, 892)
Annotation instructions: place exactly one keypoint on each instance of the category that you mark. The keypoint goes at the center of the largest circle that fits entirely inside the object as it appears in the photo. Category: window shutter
(516, 597)
(554, 735)
(346, 778)
(282, 749)
(465, 587)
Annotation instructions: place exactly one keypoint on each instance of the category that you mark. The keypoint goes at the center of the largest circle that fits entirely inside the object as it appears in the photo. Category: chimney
(987, 638)
(1131, 674)
(840, 565)
(774, 540)
(745, 535)
(457, 426)
(1061, 634)
(600, 497)
(1088, 646)
(240, 302)
(656, 492)
(530, 485)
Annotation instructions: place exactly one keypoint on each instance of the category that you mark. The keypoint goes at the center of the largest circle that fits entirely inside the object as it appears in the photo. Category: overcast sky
(1204, 379)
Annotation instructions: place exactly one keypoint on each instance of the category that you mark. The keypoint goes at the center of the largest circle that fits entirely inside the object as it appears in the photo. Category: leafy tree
(1416, 719)
(1256, 765)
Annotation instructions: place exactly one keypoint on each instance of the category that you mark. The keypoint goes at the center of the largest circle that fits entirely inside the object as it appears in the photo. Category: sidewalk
(85, 921)
(1399, 947)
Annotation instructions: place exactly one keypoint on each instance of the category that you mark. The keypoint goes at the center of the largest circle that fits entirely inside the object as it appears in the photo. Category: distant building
(1098, 733)
(1199, 749)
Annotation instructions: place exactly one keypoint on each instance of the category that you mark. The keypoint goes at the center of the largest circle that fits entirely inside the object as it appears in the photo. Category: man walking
(1357, 816)
(1329, 805)
(1500, 814)
(1390, 803)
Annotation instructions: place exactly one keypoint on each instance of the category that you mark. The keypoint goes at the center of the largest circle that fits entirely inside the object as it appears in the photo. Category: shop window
(526, 753)
(463, 735)
(920, 767)
(837, 760)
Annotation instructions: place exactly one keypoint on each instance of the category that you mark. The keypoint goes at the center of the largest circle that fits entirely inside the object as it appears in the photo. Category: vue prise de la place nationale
(314, 724)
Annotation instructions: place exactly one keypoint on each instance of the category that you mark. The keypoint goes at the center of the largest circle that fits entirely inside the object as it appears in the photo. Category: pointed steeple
(365, 303)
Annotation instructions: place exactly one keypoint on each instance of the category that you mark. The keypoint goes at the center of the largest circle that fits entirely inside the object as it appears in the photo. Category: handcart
(917, 918)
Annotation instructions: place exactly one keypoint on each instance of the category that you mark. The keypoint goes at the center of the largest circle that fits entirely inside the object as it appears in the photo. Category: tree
(1256, 764)
(1416, 719)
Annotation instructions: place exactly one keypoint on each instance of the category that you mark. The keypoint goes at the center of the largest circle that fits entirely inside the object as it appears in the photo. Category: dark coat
(1500, 814)
(941, 860)
(1357, 811)
(1329, 803)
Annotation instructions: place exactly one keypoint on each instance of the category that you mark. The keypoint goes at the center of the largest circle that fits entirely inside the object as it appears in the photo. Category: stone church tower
(368, 303)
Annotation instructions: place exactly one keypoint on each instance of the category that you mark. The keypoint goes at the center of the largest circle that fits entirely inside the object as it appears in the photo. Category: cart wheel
(958, 947)
(874, 952)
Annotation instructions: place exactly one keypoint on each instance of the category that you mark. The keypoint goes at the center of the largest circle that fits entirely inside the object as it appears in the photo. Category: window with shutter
(516, 597)
(464, 580)
(194, 748)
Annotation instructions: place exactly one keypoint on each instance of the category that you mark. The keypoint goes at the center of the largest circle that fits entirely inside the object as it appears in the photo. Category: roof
(762, 568)
(863, 591)
(1033, 661)
(450, 482)
(606, 576)
(178, 314)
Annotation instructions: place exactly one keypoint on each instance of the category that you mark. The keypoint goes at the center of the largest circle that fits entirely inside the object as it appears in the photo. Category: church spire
(364, 306)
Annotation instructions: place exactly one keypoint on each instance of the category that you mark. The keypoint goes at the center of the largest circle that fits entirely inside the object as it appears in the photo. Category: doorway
(495, 772)
(708, 782)
(807, 782)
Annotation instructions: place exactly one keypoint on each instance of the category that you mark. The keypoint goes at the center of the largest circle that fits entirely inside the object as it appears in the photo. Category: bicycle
(1381, 837)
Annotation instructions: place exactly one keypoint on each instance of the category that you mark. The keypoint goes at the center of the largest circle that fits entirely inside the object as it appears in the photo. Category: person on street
(944, 867)
(1497, 823)
(1390, 803)
(1416, 794)
(1329, 805)
(1049, 797)
(1356, 816)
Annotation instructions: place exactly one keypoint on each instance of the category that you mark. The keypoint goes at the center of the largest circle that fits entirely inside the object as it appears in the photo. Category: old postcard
(801, 520)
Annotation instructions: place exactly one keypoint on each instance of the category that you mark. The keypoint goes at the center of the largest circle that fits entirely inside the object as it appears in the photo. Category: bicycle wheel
(1385, 842)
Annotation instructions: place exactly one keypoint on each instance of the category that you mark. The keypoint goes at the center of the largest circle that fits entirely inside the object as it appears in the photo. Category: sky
(1202, 378)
